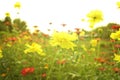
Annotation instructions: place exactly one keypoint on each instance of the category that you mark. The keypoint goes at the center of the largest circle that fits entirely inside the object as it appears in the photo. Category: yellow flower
(17, 5)
(94, 17)
(7, 14)
(46, 66)
(92, 49)
(84, 47)
(115, 35)
(117, 58)
(118, 4)
(82, 33)
(94, 42)
(34, 47)
(100, 30)
(63, 39)
(1, 53)
(26, 37)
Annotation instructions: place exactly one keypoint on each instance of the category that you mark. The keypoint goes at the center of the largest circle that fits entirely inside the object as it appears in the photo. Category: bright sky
(70, 12)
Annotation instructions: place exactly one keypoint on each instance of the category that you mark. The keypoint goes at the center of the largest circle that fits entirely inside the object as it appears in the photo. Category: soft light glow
(70, 12)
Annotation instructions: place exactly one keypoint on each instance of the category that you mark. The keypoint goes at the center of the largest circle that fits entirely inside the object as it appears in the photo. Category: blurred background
(60, 15)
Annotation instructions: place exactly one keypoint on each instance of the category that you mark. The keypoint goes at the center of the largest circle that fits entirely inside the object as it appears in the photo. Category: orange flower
(101, 60)
(3, 74)
(116, 69)
(101, 69)
(117, 46)
(61, 61)
(44, 75)
(111, 63)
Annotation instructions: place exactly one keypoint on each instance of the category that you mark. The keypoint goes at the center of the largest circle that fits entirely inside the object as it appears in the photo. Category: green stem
(52, 65)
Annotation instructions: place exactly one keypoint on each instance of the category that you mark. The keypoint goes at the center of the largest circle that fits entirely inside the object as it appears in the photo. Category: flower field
(72, 55)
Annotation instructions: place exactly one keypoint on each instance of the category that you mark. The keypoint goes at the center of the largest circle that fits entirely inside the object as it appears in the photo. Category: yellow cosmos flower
(115, 35)
(7, 14)
(94, 42)
(84, 47)
(63, 39)
(118, 4)
(17, 5)
(100, 30)
(92, 49)
(117, 58)
(34, 47)
(82, 33)
(1, 53)
(94, 17)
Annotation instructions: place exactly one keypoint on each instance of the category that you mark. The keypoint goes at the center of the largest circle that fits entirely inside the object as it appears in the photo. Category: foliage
(105, 31)
(92, 58)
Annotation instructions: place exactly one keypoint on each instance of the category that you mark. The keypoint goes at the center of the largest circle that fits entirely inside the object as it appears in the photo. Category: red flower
(116, 27)
(27, 70)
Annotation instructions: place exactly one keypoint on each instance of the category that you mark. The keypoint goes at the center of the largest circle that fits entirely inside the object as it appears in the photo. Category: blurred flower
(63, 61)
(46, 66)
(101, 68)
(92, 49)
(118, 4)
(100, 60)
(1, 53)
(111, 63)
(93, 42)
(94, 17)
(117, 45)
(34, 47)
(115, 27)
(82, 33)
(44, 75)
(116, 69)
(115, 35)
(27, 70)
(82, 19)
(77, 31)
(8, 45)
(3, 74)
(116, 57)
(7, 14)
(63, 25)
(26, 37)
(35, 26)
(50, 23)
(100, 30)
(63, 39)
(84, 47)
(17, 5)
